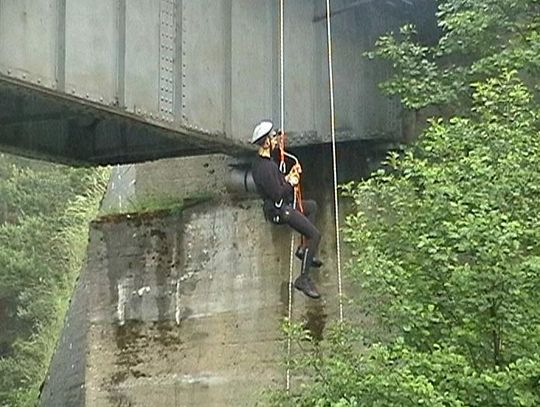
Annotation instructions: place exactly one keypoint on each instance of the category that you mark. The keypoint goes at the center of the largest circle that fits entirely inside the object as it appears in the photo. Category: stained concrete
(185, 309)
(65, 380)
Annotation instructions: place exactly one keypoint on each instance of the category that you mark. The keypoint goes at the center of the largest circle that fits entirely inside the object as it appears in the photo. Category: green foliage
(399, 375)
(480, 39)
(445, 239)
(157, 203)
(151, 203)
(445, 236)
(45, 210)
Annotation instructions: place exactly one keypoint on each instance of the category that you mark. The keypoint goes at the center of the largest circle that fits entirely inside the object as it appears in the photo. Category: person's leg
(310, 209)
(310, 212)
(301, 224)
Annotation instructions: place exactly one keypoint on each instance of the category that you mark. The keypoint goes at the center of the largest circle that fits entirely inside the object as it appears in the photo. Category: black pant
(303, 224)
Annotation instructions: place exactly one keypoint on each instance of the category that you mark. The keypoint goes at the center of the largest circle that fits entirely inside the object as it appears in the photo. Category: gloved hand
(292, 179)
(280, 135)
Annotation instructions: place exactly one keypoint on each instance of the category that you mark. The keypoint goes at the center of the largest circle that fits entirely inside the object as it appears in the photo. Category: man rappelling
(277, 192)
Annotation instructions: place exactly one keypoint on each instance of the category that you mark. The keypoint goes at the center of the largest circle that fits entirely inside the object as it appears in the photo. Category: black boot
(315, 262)
(304, 284)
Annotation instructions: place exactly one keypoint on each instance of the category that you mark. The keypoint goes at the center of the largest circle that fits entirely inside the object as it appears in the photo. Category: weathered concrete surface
(120, 192)
(185, 177)
(185, 309)
(64, 384)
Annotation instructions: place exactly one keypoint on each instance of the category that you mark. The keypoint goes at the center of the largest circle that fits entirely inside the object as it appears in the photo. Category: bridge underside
(73, 131)
(103, 82)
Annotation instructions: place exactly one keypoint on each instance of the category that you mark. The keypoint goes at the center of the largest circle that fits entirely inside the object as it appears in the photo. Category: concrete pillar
(185, 309)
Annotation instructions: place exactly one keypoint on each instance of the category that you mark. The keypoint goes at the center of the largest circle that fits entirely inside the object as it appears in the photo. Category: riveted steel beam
(61, 45)
(121, 54)
(167, 60)
(69, 129)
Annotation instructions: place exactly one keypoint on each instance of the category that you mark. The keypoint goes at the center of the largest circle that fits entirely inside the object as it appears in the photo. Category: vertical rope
(334, 159)
(281, 68)
(282, 126)
(291, 262)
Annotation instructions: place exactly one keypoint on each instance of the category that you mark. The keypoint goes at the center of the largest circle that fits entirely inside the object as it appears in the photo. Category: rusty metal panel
(204, 36)
(91, 50)
(28, 40)
(142, 57)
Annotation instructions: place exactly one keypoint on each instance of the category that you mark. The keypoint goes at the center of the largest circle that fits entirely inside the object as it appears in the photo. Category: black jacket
(270, 182)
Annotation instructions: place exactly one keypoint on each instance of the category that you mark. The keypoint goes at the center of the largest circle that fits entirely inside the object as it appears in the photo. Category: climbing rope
(334, 159)
(281, 69)
(297, 189)
(283, 169)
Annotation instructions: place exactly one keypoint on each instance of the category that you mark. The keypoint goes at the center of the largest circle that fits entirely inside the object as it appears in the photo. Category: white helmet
(261, 130)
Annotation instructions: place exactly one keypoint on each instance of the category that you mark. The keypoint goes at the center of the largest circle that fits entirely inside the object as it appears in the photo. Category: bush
(446, 246)
(43, 235)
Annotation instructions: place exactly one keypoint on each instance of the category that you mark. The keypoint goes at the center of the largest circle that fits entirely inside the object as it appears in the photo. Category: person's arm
(275, 185)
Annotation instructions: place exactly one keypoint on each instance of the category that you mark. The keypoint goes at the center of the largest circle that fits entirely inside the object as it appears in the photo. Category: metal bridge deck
(117, 81)
(69, 129)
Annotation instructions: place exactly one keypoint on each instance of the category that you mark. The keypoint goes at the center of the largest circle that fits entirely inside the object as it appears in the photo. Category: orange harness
(296, 169)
